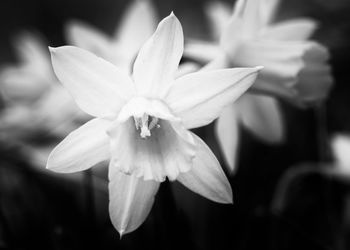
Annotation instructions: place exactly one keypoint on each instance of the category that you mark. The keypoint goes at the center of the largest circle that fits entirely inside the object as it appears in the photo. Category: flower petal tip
(231, 201)
(48, 164)
(172, 15)
(228, 199)
(52, 168)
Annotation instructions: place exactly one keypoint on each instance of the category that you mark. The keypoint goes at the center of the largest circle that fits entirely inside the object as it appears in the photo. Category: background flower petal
(282, 60)
(194, 49)
(267, 10)
(219, 14)
(231, 37)
(87, 37)
(285, 65)
(138, 23)
(291, 30)
(251, 18)
(262, 116)
(21, 84)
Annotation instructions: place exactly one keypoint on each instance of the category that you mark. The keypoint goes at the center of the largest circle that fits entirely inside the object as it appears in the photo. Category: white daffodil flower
(142, 122)
(294, 68)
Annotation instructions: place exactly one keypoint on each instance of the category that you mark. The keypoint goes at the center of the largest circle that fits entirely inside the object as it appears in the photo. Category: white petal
(314, 86)
(226, 130)
(275, 87)
(283, 63)
(81, 149)
(198, 98)
(130, 201)
(262, 116)
(219, 14)
(291, 30)
(194, 49)
(232, 35)
(306, 78)
(248, 19)
(19, 121)
(268, 10)
(315, 78)
(98, 87)
(341, 151)
(238, 8)
(251, 18)
(158, 60)
(167, 152)
(206, 176)
(137, 25)
(281, 60)
(86, 37)
(186, 68)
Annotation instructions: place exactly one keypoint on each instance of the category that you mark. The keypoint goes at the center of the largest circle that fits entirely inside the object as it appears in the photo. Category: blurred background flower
(294, 68)
(35, 105)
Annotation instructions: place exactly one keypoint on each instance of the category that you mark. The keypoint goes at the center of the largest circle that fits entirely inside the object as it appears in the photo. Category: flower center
(145, 124)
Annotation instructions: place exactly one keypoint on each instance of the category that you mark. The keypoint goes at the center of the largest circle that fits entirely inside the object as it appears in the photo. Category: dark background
(281, 200)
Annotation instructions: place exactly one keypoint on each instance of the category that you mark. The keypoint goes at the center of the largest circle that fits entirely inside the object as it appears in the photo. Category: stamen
(145, 126)
(145, 132)
(138, 123)
(153, 123)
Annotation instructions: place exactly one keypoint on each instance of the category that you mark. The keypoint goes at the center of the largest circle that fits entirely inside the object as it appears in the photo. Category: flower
(142, 122)
(36, 107)
(31, 94)
(294, 68)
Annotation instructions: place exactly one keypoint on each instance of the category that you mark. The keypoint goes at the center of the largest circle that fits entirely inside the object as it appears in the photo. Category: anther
(145, 125)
